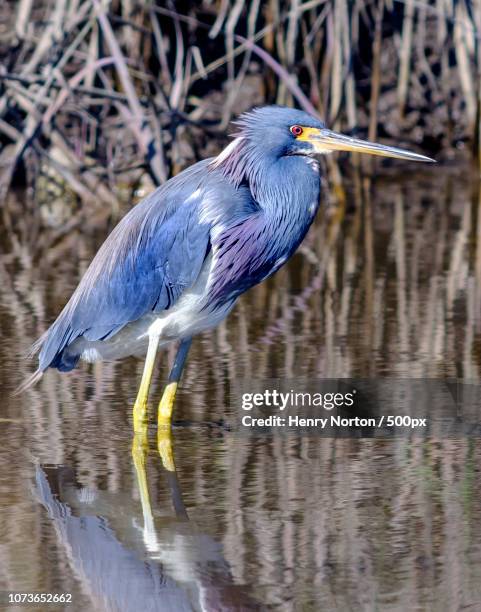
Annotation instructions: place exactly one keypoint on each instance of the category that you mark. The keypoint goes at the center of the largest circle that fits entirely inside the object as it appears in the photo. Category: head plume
(261, 137)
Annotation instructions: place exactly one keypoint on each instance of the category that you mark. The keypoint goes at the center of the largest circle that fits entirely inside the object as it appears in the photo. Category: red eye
(296, 130)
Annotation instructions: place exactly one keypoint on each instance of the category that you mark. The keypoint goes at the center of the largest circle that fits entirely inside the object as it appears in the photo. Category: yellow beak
(325, 140)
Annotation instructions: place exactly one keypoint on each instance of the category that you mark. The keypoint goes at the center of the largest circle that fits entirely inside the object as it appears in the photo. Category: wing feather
(151, 257)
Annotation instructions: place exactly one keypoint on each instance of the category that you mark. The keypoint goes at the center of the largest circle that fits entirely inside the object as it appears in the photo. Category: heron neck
(289, 197)
(286, 188)
(288, 183)
(279, 184)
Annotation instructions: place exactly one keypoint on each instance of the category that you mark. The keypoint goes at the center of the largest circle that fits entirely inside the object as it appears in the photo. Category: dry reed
(101, 99)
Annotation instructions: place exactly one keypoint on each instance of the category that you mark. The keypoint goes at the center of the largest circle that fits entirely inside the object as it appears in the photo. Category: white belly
(186, 318)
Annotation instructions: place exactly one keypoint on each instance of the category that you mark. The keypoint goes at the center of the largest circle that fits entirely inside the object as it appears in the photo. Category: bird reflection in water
(171, 568)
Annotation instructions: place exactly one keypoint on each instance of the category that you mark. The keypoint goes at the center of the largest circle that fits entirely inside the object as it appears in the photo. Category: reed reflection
(391, 289)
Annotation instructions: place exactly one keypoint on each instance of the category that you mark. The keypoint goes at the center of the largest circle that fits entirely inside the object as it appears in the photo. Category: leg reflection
(140, 448)
(172, 480)
(140, 444)
(165, 448)
(185, 568)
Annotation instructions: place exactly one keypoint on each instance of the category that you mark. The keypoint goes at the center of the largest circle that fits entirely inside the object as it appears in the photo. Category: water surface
(387, 285)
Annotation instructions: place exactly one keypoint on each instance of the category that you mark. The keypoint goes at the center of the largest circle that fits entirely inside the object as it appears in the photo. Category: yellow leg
(140, 406)
(164, 432)
(166, 405)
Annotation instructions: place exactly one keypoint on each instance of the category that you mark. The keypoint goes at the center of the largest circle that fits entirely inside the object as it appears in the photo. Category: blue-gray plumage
(177, 262)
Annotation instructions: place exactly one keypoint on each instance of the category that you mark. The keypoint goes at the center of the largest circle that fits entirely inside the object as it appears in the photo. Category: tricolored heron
(178, 261)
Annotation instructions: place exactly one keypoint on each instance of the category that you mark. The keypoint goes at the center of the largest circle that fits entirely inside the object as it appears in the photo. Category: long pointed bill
(326, 140)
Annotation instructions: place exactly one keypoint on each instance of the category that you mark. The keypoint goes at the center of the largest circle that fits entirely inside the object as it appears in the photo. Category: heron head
(268, 134)
(279, 131)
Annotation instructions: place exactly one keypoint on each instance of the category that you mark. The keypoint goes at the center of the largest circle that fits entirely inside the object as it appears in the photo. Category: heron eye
(296, 130)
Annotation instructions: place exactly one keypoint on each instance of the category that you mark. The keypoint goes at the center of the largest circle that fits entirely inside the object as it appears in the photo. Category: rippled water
(389, 285)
